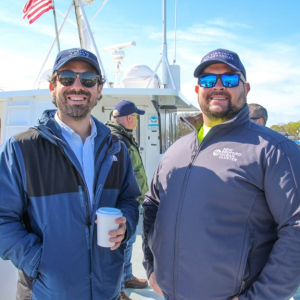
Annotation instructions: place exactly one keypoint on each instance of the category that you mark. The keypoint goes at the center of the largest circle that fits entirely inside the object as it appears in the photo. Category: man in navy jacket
(222, 216)
(54, 177)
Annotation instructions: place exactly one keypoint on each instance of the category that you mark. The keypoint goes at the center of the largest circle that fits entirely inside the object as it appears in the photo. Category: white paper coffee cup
(106, 217)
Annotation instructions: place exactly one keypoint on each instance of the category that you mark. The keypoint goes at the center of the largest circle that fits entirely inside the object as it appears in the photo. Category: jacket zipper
(243, 283)
(53, 136)
(194, 154)
(242, 287)
(84, 189)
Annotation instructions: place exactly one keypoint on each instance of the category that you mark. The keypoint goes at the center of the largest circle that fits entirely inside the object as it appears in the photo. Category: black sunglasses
(228, 80)
(87, 79)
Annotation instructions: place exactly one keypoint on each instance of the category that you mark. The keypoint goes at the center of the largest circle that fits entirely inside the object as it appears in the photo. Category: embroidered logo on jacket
(227, 154)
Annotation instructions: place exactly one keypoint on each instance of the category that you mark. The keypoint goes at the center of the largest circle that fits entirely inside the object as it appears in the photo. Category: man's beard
(226, 114)
(76, 112)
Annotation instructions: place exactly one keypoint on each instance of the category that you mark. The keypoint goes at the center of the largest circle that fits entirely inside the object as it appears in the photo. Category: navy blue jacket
(46, 227)
(223, 218)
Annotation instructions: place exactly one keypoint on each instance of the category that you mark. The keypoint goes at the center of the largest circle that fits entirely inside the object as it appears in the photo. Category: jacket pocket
(245, 270)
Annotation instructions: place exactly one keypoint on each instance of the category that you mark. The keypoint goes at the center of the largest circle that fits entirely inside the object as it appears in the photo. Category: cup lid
(111, 211)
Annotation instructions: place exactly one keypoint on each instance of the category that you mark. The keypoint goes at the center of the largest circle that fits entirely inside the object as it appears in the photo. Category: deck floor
(139, 271)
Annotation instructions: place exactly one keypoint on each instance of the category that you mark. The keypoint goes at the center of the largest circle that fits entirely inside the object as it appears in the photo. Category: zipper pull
(242, 287)
(192, 159)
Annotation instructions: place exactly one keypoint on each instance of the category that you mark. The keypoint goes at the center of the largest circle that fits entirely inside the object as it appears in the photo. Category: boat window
(171, 127)
(176, 127)
(167, 128)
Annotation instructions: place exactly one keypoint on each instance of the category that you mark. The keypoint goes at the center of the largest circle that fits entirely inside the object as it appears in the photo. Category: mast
(86, 38)
(78, 15)
(166, 70)
(164, 78)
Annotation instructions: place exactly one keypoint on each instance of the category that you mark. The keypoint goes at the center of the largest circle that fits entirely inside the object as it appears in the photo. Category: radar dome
(138, 76)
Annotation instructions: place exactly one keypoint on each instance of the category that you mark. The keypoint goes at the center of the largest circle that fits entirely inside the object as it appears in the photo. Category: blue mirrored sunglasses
(228, 80)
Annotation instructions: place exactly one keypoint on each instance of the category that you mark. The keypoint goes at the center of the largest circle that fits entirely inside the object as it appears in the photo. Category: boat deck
(139, 271)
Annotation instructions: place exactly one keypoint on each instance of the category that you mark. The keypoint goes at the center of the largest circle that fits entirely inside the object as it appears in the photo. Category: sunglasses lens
(207, 80)
(230, 80)
(88, 79)
(67, 78)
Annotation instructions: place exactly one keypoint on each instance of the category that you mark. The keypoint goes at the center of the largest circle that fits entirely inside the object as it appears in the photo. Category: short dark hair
(258, 111)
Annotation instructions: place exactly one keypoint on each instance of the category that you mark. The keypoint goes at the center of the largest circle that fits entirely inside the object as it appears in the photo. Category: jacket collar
(50, 128)
(115, 127)
(196, 122)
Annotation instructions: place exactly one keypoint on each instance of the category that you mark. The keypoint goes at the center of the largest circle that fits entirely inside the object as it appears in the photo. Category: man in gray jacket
(222, 216)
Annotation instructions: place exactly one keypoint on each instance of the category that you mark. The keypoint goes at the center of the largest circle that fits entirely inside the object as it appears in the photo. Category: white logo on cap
(78, 52)
(218, 55)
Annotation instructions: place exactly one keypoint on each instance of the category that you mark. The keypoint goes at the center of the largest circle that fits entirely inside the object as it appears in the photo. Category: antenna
(175, 29)
(164, 57)
(118, 56)
(119, 46)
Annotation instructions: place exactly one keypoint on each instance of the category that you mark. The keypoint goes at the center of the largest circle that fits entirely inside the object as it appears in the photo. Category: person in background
(258, 113)
(54, 177)
(222, 215)
(124, 121)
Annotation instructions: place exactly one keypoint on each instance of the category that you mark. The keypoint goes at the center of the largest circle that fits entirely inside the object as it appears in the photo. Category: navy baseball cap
(223, 56)
(76, 54)
(125, 108)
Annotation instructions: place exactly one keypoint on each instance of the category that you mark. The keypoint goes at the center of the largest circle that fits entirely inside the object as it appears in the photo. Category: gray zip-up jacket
(222, 218)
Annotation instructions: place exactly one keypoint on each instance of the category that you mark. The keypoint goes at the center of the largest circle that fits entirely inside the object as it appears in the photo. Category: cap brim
(140, 111)
(198, 71)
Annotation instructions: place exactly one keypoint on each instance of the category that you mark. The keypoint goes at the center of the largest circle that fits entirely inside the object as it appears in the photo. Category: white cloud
(225, 23)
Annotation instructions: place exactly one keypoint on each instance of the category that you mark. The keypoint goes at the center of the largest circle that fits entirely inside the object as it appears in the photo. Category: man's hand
(154, 285)
(119, 234)
(235, 298)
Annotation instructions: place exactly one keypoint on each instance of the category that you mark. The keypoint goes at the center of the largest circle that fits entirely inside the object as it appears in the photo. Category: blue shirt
(83, 151)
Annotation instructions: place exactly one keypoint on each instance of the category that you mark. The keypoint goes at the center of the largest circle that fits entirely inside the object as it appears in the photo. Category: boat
(160, 97)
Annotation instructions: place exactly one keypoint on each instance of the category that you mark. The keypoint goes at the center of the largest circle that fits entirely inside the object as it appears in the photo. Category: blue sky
(265, 34)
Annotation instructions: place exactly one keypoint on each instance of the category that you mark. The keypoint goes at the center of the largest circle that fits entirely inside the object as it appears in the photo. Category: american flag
(33, 9)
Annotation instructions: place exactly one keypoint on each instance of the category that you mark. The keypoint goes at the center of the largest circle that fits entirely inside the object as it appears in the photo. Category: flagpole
(55, 23)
